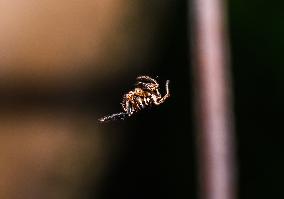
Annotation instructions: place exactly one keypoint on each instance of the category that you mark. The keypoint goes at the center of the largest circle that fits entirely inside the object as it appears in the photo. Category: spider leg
(123, 103)
(140, 103)
(147, 78)
(144, 85)
(146, 101)
(114, 116)
(129, 108)
(158, 101)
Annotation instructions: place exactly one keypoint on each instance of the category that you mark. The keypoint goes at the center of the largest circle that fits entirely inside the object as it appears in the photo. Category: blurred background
(64, 64)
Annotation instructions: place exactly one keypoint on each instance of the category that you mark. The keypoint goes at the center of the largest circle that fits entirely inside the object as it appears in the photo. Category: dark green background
(256, 29)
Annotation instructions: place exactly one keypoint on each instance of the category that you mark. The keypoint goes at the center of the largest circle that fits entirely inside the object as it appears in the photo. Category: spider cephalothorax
(145, 94)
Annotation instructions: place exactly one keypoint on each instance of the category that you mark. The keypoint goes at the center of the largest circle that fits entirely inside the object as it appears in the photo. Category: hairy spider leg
(114, 116)
(129, 106)
(146, 100)
(158, 101)
(147, 78)
(140, 102)
(148, 86)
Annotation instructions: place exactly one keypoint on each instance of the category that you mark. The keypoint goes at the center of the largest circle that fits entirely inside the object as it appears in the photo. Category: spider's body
(145, 94)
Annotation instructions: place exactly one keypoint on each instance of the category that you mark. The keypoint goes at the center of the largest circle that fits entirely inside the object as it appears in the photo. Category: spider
(145, 94)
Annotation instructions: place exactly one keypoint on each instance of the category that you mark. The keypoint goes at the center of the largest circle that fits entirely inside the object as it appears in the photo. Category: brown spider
(145, 94)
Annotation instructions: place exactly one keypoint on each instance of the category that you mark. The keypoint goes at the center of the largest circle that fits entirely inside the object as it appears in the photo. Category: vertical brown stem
(212, 84)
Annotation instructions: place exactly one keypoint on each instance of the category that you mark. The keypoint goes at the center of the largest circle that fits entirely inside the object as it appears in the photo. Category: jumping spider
(145, 94)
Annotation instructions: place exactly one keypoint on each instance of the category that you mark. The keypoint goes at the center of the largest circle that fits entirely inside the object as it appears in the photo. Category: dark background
(160, 162)
(256, 29)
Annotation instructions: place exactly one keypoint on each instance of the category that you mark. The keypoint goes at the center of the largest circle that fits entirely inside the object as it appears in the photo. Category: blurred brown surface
(50, 154)
(53, 44)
